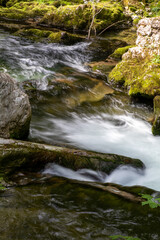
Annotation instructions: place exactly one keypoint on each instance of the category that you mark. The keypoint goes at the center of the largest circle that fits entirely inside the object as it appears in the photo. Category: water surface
(73, 108)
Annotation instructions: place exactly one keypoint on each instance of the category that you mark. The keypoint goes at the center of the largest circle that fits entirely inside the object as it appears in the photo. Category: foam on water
(81, 175)
(131, 137)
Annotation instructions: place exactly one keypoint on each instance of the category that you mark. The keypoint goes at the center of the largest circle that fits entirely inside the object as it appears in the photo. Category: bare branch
(92, 22)
(99, 11)
(110, 26)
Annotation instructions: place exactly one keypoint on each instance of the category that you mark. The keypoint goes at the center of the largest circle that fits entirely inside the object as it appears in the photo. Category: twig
(92, 22)
(113, 24)
(91, 25)
(99, 11)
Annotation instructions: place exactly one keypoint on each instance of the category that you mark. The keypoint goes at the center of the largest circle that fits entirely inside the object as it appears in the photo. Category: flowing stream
(71, 107)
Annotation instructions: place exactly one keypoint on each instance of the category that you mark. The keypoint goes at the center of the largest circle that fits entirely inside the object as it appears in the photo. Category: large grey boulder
(15, 110)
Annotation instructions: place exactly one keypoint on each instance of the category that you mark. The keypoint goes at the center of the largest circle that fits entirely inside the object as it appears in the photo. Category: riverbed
(72, 107)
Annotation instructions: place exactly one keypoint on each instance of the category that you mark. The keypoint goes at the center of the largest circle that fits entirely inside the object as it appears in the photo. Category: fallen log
(16, 154)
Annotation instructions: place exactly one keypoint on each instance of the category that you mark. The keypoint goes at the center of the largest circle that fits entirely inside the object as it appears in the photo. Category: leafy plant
(156, 59)
(151, 201)
(116, 237)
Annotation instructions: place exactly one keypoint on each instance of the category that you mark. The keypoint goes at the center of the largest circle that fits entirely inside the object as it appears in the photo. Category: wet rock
(156, 121)
(102, 67)
(15, 109)
(95, 94)
(55, 36)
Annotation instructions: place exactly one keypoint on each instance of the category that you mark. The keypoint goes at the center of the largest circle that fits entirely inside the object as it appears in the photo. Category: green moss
(49, 36)
(119, 52)
(64, 37)
(140, 76)
(79, 17)
(32, 156)
(136, 21)
(33, 34)
(65, 14)
(156, 122)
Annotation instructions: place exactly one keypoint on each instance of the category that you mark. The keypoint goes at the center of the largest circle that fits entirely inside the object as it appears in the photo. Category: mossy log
(16, 155)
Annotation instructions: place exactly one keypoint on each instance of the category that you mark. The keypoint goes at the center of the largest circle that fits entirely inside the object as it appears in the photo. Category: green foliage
(151, 201)
(156, 59)
(120, 237)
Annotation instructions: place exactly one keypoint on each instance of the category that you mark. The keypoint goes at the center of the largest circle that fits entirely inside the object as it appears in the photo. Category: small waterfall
(131, 138)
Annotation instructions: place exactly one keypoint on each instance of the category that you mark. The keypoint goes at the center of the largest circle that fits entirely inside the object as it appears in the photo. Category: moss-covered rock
(33, 34)
(22, 11)
(117, 54)
(156, 122)
(65, 38)
(140, 76)
(139, 70)
(79, 17)
(57, 36)
(71, 16)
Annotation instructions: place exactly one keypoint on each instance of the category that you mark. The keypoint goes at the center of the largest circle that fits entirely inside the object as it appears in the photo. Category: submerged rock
(95, 94)
(139, 70)
(102, 67)
(15, 109)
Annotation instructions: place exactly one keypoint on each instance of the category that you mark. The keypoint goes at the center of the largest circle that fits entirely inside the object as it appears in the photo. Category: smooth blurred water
(132, 138)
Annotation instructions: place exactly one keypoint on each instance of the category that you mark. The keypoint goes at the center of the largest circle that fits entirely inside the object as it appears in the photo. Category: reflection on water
(69, 211)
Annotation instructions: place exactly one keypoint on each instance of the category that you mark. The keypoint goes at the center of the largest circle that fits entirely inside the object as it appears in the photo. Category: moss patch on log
(25, 155)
